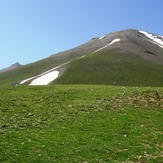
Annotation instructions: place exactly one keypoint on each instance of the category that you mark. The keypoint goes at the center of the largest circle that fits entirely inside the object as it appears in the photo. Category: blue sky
(31, 30)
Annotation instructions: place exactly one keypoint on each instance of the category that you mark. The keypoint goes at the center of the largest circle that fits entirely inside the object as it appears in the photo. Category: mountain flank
(128, 57)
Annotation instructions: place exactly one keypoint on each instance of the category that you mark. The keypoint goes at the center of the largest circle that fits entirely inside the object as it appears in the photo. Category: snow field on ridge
(158, 40)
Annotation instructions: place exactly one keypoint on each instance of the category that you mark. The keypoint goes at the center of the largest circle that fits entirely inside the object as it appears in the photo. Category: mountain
(13, 66)
(127, 58)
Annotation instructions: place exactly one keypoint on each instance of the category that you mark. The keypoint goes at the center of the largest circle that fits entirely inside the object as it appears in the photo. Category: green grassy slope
(81, 124)
(107, 67)
(27, 71)
(97, 68)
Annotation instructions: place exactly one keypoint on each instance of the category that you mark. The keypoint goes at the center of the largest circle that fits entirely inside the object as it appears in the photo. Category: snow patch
(114, 41)
(158, 40)
(45, 79)
(26, 80)
(101, 37)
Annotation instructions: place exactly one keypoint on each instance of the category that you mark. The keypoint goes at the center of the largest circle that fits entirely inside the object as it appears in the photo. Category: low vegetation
(100, 68)
(109, 67)
(81, 123)
(15, 76)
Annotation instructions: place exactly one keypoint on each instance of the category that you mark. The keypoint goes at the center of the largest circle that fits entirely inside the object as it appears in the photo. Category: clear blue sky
(31, 30)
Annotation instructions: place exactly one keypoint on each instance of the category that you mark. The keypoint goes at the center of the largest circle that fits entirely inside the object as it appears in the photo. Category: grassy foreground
(81, 123)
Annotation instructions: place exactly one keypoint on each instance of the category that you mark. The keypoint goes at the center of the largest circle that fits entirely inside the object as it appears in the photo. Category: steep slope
(129, 57)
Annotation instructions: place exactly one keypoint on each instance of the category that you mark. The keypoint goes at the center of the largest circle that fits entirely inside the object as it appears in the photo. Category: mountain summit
(13, 66)
(128, 57)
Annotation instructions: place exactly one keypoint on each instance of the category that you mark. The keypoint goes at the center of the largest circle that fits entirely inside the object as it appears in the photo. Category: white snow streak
(37, 76)
(81, 57)
(101, 37)
(158, 40)
(24, 81)
(114, 41)
(45, 79)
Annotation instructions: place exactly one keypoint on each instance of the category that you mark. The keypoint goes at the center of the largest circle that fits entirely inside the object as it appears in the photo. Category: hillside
(107, 68)
(128, 57)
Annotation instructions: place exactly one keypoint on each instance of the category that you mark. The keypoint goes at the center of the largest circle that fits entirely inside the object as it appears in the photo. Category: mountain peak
(13, 66)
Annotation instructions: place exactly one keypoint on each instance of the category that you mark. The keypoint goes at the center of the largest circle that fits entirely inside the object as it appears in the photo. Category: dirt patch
(144, 99)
